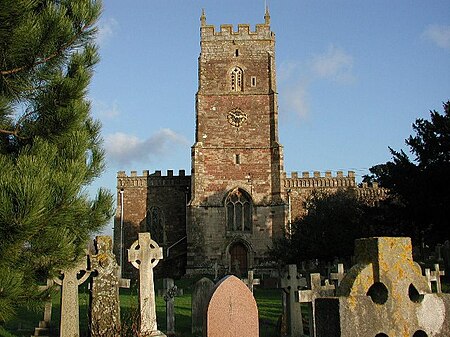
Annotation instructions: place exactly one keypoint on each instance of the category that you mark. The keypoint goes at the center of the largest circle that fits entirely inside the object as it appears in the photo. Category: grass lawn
(268, 300)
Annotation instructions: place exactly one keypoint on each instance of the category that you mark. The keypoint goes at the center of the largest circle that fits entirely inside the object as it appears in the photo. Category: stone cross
(309, 296)
(200, 298)
(170, 291)
(44, 325)
(144, 254)
(70, 315)
(384, 294)
(250, 281)
(434, 276)
(232, 310)
(105, 301)
(339, 275)
(291, 283)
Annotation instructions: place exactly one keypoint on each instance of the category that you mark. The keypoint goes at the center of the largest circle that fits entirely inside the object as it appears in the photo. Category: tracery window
(155, 225)
(238, 211)
(236, 79)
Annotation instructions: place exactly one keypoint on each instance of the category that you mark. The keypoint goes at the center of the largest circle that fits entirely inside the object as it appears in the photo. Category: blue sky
(352, 77)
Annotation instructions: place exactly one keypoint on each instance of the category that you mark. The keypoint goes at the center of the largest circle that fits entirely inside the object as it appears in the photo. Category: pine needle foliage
(50, 146)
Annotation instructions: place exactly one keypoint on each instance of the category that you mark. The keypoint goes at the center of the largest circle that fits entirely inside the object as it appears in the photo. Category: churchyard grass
(268, 300)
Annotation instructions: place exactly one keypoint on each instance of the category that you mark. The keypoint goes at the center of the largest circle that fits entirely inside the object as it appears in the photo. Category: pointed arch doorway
(238, 259)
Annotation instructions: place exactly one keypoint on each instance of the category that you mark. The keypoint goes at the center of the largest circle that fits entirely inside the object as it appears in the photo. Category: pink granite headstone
(232, 310)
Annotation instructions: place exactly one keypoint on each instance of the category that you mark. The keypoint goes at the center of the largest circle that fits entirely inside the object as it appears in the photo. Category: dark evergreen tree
(419, 196)
(333, 221)
(50, 148)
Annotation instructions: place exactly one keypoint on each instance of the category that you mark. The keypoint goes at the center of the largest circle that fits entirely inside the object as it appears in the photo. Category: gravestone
(104, 301)
(200, 297)
(44, 325)
(250, 281)
(434, 276)
(170, 291)
(384, 294)
(70, 311)
(292, 282)
(144, 254)
(232, 310)
(339, 275)
(316, 290)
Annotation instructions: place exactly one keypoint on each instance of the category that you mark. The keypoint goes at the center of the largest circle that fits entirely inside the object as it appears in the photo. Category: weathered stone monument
(170, 291)
(339, 275)
(434, 276)
(316, 290)
(250, 281)
(291, 283)
(105, 302)
(384, 294)
(44, 325)
(70, 315)
(145, 254)
(200, 297)
(232, 310)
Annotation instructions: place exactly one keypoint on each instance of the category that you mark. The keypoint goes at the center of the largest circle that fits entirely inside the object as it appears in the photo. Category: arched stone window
(155, 225)
(236, 79)
(238, 211)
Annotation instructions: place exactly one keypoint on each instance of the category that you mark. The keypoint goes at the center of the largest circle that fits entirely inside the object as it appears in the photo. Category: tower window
(253, 81)
(236, 53)
(237, 158)
(236, 79)
(239, 211)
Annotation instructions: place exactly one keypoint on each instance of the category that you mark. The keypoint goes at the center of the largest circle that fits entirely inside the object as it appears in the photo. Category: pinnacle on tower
(203, 18)
(267, 16)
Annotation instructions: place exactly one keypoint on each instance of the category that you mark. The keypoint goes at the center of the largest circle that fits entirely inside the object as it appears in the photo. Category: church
(237, 197)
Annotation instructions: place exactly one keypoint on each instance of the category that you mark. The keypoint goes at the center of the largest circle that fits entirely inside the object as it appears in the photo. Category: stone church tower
(236, 206)
(238, 197)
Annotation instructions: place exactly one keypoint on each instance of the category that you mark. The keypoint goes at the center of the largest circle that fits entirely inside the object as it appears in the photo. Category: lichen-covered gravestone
(70, 312)
(145, 254)
(105, 302)
(292, 282)
(384, 295)
(232, 310)
(200, 296)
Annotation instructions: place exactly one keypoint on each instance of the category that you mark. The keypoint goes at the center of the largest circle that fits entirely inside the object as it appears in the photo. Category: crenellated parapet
(373, 193)
(227, 32)
(317, 180)
(152, 179)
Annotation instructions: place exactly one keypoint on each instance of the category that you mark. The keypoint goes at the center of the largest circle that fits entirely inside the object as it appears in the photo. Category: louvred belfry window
(236, 79)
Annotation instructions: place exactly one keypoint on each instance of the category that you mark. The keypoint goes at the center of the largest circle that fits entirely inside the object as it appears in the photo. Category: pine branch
(51, 56)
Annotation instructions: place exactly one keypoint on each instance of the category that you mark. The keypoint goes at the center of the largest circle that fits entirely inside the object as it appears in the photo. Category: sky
(352, 77)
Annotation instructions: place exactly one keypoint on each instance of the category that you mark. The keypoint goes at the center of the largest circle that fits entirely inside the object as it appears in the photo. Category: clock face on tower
(236, 117)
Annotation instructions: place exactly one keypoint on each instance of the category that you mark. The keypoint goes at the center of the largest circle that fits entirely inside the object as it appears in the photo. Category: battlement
(318, 180)
(226, 32)
(152, 179)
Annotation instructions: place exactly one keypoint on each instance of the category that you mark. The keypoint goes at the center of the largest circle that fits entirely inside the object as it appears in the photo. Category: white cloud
(124, 149)
(335, 64)
(106, 28)
(438, 34)
(105, 111)
(295, 100)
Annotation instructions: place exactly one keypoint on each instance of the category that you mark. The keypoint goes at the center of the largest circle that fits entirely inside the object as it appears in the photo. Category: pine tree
(50, 148)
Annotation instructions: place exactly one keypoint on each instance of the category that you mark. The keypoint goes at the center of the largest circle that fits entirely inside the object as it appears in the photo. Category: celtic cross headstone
(70, 315)
(144, 254)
